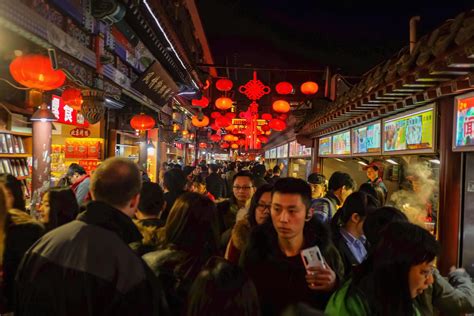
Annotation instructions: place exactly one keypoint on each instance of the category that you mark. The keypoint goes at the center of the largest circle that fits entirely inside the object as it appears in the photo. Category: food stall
(300, 160)
(282, 159)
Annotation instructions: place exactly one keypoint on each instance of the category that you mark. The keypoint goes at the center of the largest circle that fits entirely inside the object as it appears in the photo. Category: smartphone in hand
(312, 258)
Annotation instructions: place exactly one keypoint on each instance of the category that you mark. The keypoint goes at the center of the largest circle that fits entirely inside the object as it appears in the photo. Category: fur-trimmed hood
(241, 234)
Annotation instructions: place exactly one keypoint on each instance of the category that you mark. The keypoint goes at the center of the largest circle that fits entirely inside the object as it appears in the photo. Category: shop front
(74, 140)
(403, 150)
(300, 160)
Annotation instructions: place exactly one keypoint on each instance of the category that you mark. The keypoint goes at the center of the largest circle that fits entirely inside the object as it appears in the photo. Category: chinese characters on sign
(66, 114)
(80, 132)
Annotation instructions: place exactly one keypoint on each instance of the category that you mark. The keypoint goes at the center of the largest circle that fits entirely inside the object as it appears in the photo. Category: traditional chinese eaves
(441, 64)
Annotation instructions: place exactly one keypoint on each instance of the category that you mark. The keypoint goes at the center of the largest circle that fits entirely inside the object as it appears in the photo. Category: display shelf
(15, 155)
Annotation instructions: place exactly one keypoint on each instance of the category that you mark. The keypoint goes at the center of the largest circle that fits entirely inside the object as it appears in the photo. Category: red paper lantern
(200, 122)
(214, 126)
(203, 102)
(309, 87)
(266, 116)
(223, 122)
(265, 128)
(277, 125)
(281, 106)
(229, 138)
(224, 85)
(142, 122)
(36, 72)
(241, 142)
(202, 145)
(215, 138)
(215, 115)
(242, 115)
(223, 103)
(283, 117)
(225, 145)
(73, 98)
(230, 115)
(262, 139)
(284, 88)
(234, 146)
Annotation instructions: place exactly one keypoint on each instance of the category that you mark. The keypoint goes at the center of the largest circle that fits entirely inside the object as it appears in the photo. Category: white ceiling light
(393, 162)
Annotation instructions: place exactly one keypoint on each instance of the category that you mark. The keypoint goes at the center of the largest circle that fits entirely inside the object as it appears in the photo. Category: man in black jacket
(214, 182)
(272, 256)
(86, 267)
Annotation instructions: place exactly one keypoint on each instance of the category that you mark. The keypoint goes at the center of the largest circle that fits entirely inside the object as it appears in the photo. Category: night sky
(350, 36)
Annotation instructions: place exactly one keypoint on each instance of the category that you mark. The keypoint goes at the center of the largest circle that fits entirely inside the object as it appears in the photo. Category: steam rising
(413, 200)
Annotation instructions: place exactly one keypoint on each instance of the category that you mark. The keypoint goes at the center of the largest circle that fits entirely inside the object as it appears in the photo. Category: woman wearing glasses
(258, 213)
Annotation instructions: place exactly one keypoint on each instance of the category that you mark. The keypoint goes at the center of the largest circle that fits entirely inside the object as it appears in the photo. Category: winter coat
(176, 271)
(343, 304)
(325, 208)
(280, 280)
(450, 298)
(348, 259)
(81, 189)
(22, 231)
(87, 268)
(259, 181)
(238, 240)
(215, 185)
(150, 230)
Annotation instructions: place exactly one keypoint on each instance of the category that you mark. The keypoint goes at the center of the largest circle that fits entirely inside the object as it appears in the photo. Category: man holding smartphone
(272, 257)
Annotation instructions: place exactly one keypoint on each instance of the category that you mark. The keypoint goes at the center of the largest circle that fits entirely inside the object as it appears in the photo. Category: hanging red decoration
(284, 88)
(241, 142)
(281, 106)
(254, 89)
(203, 102)
(142, 122)
(73, 98)
(229, 138)
(215, 115)
(200, 122)
(230, 115)
(225, 145)
(277, 125)
(266, 116)
(223, 122)
(215, 138)
(242, 115)
(234, 146)
(202, 145)
(283, 116)
(309, 87)
(262, 139)
(230, 128)
(224, 85)
(36, 72)
(214, 126)
(223, 103)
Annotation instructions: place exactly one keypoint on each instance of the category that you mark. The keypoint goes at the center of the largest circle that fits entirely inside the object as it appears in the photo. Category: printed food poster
(410, 132)
(465, 122)
(325, 147)
(366, 139)
(341, 143)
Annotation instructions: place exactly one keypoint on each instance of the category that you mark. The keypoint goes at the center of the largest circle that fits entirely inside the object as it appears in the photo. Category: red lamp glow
(202, 102)
(309, 87)
(229, 138)
(284, 88)
(36, 72)
(225, 145)
(73, 98)
(142, 122)
(215, 138)
(224, 85)
(223, 103)
(281, 106)
(277, 125)
(234, 146)
(266, 116)
(262, 139)
(200, 122)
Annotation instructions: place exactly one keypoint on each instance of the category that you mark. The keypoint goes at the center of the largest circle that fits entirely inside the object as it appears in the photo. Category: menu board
(464, 123)
(341, 144)
(267, 154)
(282, 151)
(297, 150)
(325, 146)
(410, 132)
(273, 153)
(366, 139)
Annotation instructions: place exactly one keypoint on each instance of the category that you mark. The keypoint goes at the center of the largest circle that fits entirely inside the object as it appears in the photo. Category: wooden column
(316, 161)
(449, 214)
(41, 175)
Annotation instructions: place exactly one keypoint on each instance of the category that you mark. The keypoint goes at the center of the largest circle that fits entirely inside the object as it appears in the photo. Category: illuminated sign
(341, 144)
(464, 123)
(366, 139)
(66, 114)
(325, 146)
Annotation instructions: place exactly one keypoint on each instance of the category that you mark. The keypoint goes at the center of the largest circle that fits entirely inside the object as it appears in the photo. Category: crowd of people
(218, 239)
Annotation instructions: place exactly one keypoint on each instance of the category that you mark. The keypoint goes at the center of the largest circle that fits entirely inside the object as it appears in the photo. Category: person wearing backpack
(340, 186)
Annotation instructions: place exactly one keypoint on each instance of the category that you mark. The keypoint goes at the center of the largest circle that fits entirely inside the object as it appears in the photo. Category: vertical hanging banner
(66, 114)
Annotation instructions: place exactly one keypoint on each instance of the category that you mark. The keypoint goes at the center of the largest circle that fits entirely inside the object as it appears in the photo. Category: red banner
(66, 114)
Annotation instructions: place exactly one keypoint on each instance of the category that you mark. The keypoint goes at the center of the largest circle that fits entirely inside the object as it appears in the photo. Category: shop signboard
(411, 132)
(273, 153)
(366, 139)
(80, 132)
(325, 146)
(66, 114)
(464, 123)
(341, 144)
(282, 151)
(297, 150)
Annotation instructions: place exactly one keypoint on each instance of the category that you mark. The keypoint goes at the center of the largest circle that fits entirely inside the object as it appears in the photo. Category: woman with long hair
(397, 271)
(14, 192)
(189, 238)
(58, 207)
(18, 231)
(258, 213)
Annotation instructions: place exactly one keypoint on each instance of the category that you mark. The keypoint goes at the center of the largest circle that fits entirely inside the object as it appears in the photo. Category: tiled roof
(441, 63)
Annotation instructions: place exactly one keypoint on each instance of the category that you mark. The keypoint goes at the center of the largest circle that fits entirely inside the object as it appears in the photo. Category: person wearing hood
(80, 182)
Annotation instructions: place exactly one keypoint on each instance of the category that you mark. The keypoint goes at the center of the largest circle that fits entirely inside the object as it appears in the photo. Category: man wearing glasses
(235, 208)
